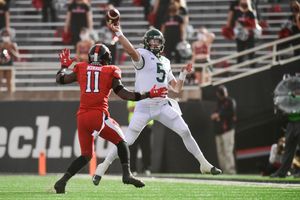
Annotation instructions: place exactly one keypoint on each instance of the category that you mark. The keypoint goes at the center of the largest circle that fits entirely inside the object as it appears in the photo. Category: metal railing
(26, 72)
(263, 62)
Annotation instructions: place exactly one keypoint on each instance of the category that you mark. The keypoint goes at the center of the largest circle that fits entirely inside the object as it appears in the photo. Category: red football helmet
(99, 54)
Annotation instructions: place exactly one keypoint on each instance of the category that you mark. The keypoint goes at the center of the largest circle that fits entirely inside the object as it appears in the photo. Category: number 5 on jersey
(161, 73)
(92, 75)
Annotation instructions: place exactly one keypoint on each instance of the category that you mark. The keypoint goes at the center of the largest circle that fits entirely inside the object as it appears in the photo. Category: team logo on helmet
(154, 41)
(99, 54)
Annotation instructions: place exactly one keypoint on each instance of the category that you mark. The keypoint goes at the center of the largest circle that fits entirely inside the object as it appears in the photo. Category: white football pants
(168, 116)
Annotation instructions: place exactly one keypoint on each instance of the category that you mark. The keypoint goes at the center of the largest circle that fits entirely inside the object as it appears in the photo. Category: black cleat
(215, 171)
(60, 187)
(96, 179)
(133, 181)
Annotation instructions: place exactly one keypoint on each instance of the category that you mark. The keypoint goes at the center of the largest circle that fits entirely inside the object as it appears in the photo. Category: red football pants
(95, 120)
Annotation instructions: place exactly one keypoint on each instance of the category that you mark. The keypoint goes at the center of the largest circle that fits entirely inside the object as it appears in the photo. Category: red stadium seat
(137, 2)
(37, 4)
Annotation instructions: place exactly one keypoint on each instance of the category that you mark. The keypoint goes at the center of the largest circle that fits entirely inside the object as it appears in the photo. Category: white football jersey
(152, 71)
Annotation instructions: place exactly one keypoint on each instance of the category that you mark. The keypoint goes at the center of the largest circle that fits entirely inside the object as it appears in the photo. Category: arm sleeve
(139, 64)
(124, 93)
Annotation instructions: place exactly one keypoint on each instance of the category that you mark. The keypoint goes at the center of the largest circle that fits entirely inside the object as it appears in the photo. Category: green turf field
(81, 188)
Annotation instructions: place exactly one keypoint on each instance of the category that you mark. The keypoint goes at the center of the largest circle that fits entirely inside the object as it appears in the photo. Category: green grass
(80, 187)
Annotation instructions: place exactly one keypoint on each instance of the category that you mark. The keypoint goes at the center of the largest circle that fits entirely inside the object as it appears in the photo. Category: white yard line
(210, 182)
(224, 182)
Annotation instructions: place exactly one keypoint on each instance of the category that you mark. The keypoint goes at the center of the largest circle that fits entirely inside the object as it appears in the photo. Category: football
(113, 16)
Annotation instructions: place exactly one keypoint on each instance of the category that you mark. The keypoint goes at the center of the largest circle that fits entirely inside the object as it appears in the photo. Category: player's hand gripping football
(158, 92)
(65, 59)
(114, 28)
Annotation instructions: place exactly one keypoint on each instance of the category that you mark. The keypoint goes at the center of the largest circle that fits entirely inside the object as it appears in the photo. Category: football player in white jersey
(151, 68)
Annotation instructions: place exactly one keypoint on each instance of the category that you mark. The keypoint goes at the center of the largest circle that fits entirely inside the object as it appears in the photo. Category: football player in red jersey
(96, 79)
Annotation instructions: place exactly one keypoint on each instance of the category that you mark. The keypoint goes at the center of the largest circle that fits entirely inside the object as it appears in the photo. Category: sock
(123, 152)
(111, 156)
(65, 177)
(126, 169)
(75, 166)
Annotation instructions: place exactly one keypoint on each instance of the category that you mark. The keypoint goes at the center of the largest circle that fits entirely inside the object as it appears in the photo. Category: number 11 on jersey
(92, 75)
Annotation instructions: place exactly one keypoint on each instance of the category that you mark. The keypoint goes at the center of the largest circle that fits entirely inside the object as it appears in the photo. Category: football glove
(158, 92)
(65, 59)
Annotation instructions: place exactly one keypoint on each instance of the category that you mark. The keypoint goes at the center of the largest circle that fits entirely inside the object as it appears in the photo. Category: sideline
(212, 182)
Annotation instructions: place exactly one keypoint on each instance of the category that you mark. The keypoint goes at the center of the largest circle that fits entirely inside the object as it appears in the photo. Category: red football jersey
(95, 85)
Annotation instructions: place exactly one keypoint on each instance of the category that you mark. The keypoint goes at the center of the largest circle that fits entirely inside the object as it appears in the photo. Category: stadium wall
(30, 127)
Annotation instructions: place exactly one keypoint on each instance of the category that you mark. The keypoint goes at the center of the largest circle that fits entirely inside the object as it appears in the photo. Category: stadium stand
(39, 46)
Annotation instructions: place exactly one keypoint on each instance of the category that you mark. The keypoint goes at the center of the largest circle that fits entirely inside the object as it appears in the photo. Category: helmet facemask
(154, 41)
(155, 45)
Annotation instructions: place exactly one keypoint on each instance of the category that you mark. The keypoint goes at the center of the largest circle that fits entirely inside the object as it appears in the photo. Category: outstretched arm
(177, 85)
(126, 94)
(128, 47)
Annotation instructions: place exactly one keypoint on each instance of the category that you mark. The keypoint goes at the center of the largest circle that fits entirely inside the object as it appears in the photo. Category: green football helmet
(154, 41)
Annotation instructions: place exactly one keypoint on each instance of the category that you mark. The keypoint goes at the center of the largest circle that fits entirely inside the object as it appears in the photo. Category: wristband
(182, 75)
(119, 33)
